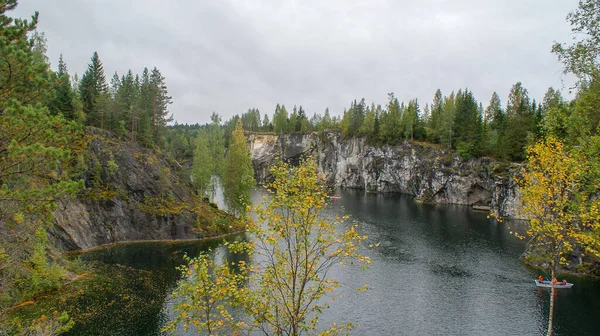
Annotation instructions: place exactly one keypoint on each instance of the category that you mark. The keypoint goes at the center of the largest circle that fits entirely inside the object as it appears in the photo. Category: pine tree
(23, 77)
(36, 153)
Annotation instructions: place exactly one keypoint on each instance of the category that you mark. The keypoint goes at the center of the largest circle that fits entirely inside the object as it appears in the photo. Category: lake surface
(440, 270)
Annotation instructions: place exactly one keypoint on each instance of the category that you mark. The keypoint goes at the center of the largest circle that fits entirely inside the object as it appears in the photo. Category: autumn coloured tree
(205, 297)
(287, 286)
(299, 245)
(563, 214)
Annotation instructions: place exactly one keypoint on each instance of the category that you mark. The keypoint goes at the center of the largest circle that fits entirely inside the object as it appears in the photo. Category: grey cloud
(228, 56)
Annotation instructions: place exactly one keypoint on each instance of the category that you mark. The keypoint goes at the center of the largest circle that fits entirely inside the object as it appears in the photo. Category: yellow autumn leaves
(292, 245)
(560, 208)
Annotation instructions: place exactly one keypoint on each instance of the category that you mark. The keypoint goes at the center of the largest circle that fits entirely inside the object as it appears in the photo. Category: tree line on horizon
(132, 105)
(455, 121)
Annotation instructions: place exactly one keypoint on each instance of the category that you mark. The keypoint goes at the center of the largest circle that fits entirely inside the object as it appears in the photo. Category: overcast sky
(228, 56)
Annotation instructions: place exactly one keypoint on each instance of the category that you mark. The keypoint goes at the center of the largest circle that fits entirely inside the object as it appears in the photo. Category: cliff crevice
(132, 193)
(428, 172)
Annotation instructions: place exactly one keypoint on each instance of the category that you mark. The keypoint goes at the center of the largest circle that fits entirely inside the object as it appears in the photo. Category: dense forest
(43, 118)
(457, 121)
(132, 105)
(44, 113)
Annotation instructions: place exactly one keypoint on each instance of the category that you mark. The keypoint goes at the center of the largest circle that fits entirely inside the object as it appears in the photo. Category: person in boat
(564, 282)
(554, 281)
(540, 279)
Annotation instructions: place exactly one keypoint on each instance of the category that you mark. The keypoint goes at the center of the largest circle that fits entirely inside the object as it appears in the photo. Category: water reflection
(440, 270)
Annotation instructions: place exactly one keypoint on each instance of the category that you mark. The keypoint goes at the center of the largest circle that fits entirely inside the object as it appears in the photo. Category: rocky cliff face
(132, 193)
(429, 173)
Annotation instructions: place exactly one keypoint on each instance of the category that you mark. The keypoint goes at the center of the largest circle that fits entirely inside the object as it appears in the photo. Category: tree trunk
(551, 314)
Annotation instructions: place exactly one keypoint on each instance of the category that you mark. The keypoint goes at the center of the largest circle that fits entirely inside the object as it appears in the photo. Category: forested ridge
(456, 121)
(44, 114)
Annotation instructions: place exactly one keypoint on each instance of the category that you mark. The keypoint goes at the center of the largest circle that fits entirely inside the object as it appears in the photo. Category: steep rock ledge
(132, 193)
(429, 173)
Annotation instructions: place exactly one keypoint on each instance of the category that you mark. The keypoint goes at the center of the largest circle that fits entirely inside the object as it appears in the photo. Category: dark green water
(440, 270)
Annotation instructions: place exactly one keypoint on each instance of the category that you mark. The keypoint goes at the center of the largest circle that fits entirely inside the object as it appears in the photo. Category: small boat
(548, 284)
(335, 197)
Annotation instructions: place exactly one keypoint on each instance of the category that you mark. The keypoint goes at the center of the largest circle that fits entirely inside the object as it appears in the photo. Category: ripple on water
(451, 270)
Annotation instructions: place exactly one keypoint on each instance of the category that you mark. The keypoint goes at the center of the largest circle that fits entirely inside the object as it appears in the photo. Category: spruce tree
(62, 101)
(521, 125)
(302, 124)
(391, 121)
(495, 128)
(326, 121)
(93, 91)
(367, 128)
(160, 105)
(126, 98)
(266, 124)
(292, 123)
(467, 124)
(555, 115)
(435, 122)
(145, 110)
